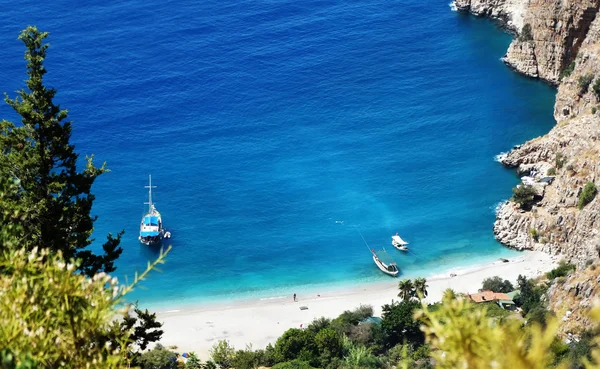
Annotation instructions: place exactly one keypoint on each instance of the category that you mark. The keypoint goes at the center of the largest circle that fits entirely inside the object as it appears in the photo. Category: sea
(281, 133)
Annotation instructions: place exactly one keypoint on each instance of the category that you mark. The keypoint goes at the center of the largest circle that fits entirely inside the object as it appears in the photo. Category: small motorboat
(399, 243)
(385, 263)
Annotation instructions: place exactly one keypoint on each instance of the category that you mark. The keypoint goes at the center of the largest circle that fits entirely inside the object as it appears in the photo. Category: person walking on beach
(294, 297)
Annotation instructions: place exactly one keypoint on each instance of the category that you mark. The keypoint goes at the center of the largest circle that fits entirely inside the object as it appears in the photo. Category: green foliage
(59, 317)
(560, 160)
(360, 357)
(529, 294)
(596, 89)
(584, 81)
(496, 284)
(157, 358)
(246, 359)
(581, 350)
(562, 270)
(8, 360)
(534, 234)
(568, 70)
(399, 325)
(449, 295)
(524, 195)
(587, 195)
(53, 195)
(222, 353)
(319, 323)
(551, 171)
(526, 34)
(407, 289)
(420, 285)
(193, 362)
(295, 344)
(294, 364)
(329, 345)
(349, 319)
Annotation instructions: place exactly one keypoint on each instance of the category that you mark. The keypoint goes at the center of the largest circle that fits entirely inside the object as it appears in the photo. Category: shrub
(526, 34)
(222, 354)
(551, 171)
(594, 110)
(294, 364)
(534, 234)
(596, 88)
(524, 195)
(157, 358)
(568, 70)
(399, 324)
(584, 81)
(560, 160)
(561, 270)
(245, 359)
(295, 344)
(348, 319)
(329, 345)
(496, 284)
(587, 195)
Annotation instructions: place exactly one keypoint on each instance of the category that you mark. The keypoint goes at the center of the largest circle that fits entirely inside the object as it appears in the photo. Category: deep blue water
(265, 122)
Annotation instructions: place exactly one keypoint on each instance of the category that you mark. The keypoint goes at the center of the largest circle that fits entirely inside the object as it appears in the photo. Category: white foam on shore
(452, 6)
(273, 298)
(496, 208)
(500, 157)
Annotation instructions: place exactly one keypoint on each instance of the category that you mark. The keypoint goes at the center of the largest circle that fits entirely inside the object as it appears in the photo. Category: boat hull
(400, 247)
(381, 267)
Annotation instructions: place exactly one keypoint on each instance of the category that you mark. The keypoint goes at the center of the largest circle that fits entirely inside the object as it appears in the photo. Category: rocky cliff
(557, 41)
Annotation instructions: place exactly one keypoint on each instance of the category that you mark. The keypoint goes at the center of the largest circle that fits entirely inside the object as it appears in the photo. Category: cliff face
(550, 32)
(558, 41)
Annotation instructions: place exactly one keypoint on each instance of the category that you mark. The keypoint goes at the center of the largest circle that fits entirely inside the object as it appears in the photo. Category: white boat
(385, 263)
(151, 228)
(399, 243)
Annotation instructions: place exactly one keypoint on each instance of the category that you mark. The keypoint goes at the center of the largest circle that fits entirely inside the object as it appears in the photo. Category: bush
(222, 354)
(294, 364)
(245, 359)
(534, 234)
(584, 81)
(329, 345)
(587, 195)
(562, 270)
(560, 160)
(496, 284)
(568, 70)
(348, 319)
(526, 34)
(529, 294)
(596, 89)
(524, 195)
(594, 110)
(157, 358)
(551, 172)
(295, 344)
(399, 324)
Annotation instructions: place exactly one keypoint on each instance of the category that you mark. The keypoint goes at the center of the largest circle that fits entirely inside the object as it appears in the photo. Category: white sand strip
(262, 321)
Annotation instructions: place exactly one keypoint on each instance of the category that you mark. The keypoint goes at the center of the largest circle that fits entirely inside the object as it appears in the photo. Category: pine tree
(54, 197)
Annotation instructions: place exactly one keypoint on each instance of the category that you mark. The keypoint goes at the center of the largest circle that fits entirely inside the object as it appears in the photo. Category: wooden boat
(399, 243)
(385, 263)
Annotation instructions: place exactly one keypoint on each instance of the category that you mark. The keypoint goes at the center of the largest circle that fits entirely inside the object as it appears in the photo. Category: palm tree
(421, 287)
(449, 295)
(407, 290)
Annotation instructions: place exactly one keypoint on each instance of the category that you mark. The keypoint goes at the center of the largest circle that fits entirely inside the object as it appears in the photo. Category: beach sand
(259, 322)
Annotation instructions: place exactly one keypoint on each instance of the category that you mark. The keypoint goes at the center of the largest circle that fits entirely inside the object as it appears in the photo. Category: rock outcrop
(550, 33)
(571, 298)
(557, 41)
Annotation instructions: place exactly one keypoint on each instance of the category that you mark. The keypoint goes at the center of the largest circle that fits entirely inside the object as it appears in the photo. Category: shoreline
(261, 321)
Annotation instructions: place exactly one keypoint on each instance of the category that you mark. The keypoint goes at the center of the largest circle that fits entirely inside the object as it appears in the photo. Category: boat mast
(150, 187)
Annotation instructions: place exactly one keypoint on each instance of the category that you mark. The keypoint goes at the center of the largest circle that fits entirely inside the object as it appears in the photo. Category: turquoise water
(265, 122)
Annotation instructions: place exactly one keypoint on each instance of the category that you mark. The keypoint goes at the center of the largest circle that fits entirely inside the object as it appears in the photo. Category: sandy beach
(259, 322)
